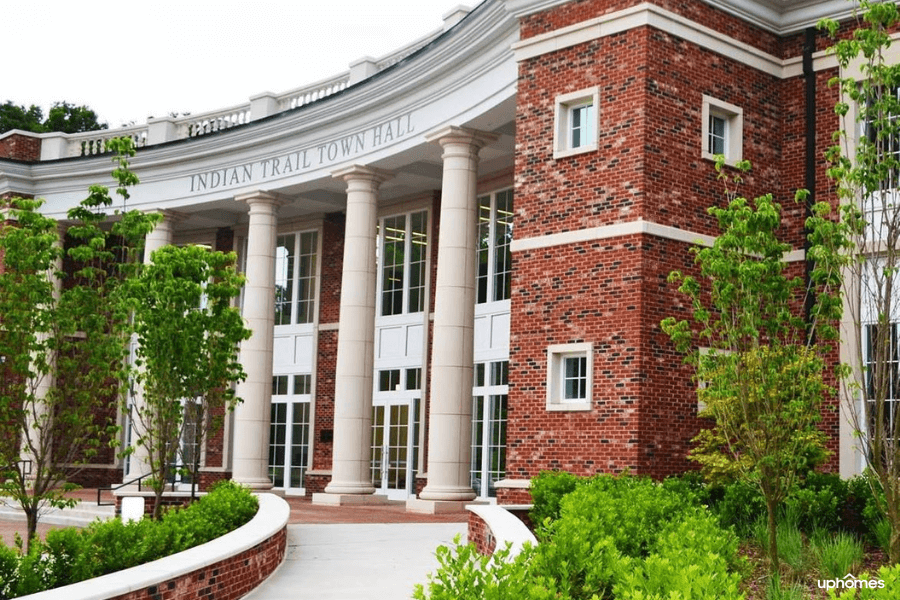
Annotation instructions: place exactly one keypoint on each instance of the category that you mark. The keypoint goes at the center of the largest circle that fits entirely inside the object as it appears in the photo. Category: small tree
(866, 170)
(188, 334)
(62, 342)
(762, 376)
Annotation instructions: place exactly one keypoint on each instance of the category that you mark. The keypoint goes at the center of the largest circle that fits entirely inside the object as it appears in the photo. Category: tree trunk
(774, 564)
(31, 520)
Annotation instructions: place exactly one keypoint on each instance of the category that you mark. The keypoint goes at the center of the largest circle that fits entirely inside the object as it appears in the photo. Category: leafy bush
(547, 490)
(69, 555)
(621, 537)
(464, 573)
(692, 558)
(890, 575)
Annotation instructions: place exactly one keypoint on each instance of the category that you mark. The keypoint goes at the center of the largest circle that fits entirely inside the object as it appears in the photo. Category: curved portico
(285, 190)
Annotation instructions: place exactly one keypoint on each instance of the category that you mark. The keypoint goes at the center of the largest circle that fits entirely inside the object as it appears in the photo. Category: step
(83, 513)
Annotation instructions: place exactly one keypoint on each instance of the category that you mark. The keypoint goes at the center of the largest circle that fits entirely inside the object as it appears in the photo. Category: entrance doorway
(395, 434)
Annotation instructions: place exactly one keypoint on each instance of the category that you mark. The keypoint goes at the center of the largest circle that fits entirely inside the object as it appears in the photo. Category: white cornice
(777, 16)
(648, 14)
(786, 16)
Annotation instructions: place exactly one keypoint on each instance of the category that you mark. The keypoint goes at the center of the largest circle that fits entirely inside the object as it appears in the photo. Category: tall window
(403, 253)
(295, 278)
(494, 239)
(489, 416)
(889, 378)
(289, 428)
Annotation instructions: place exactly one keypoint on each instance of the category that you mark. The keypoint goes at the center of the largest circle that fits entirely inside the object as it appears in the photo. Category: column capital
(261, 197)
(361, 172)
(170, 216)
(452, 134)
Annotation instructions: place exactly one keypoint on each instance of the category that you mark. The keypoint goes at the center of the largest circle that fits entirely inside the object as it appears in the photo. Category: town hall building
(457, 255)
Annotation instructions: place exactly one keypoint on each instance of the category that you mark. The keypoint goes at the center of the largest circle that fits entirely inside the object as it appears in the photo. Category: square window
(569, 376)
(723, 130)
(577, 123)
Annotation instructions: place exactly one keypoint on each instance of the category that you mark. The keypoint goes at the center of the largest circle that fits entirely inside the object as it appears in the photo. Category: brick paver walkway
(303, 511)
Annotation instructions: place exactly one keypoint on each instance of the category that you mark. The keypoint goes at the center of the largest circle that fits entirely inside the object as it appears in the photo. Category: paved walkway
(376, 561)
(342, 553)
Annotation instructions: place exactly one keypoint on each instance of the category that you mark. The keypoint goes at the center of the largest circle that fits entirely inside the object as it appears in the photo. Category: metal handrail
(111, 488)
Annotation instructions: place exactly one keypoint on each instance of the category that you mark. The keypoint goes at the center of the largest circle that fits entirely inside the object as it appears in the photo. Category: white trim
(733, 116)
(646, 14)
(565, 106)
(605, 232)
(556, 355)
(611, 231)
(779, 20)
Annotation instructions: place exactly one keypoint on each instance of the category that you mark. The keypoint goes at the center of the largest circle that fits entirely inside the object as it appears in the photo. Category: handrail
(111, 488)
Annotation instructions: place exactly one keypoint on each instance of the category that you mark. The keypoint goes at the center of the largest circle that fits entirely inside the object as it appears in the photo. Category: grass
(836, 554)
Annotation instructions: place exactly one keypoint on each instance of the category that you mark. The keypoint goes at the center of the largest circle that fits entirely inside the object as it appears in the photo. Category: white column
(350, 471)
(162, 235)
(251, 417)
(450, 417)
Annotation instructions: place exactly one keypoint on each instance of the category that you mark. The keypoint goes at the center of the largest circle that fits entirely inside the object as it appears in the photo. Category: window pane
(388, 380)
(484, 248)
(417, 252)
(284, 278)
(717, 128)
(502, 241)
(393, 257)
(306, 278)
(575, 378)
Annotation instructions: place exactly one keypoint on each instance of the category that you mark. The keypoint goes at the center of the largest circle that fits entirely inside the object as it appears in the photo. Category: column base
(439, 507)
(327, 499)
(257, 485)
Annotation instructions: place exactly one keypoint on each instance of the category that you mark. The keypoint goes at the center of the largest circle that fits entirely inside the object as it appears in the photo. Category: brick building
(457, 254)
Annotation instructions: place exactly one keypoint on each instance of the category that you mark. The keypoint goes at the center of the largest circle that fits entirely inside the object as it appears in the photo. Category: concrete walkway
(373, 561)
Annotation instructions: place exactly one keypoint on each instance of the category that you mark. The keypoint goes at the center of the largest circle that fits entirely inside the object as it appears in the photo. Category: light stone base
(348, 499)
(439, 507)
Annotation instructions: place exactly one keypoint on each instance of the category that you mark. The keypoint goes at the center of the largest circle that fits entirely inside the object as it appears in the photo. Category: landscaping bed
(629, 538)
(67, 556)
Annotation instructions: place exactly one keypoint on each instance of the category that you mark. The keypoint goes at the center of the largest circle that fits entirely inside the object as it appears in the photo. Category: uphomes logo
(850, 582)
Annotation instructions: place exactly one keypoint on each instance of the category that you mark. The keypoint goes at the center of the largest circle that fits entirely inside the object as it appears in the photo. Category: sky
(131, 60)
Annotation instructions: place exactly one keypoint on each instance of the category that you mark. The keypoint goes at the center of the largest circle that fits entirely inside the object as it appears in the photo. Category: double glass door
(395, 433)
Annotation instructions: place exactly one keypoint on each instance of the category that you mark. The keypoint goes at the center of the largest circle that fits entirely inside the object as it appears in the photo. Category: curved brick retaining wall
(225, 568)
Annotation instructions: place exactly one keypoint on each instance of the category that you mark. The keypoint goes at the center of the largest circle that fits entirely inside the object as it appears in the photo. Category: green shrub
(9, 580)
(890, 575)
(692, 558)
(820, 502)
(547, 490)
(464, 573)
(623, 537)
(628, 510)
(69, 555)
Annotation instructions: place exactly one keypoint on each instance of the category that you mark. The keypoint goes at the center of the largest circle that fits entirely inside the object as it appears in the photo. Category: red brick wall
(480, 534)
(329, 313)
(20, 147)
(614, 292)
(227, 579)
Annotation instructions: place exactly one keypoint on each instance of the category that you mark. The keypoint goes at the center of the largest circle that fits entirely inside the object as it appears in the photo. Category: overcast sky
(130, 60)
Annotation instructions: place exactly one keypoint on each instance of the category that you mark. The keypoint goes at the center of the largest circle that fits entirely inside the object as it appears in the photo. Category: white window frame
(566, 104)
(492, 227)
(408, 241)
(734, 129)
(556, 358)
